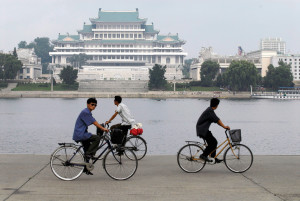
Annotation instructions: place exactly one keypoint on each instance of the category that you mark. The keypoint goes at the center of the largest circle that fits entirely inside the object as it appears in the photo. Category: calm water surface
(35, 126)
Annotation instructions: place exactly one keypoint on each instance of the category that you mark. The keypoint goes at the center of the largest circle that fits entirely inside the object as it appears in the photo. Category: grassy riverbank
(45, 87)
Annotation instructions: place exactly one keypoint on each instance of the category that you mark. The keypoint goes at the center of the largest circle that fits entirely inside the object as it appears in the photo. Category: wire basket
(235, 135)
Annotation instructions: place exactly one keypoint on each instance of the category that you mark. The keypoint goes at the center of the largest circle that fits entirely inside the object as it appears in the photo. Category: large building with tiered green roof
(121, 46)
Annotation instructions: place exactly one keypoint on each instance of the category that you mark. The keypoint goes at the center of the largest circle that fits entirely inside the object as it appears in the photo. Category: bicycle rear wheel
(118, 166)
(238, 159)
(188, 158)
(62, 167)
(138, 145)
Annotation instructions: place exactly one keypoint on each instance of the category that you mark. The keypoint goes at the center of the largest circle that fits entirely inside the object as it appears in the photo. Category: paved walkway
(28, 177)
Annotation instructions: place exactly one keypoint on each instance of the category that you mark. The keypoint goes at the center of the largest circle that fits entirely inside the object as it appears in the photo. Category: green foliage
(45, 87)
(3, 84)
(187, 67)
(209, 70)
(22, 44)
(157, 77)
(279, 77)
(68, 75)
(78, 60)
(15, 53)
(220, 80)
(240, 75)
(9, 66)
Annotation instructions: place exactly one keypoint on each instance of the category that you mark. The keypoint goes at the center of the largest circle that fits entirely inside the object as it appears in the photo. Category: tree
(68, 75)
(209, 70)
(186, 67)
(78, 60)
(42, 49)
(280, 76)
(22, 44)
(157, 77)
(15, 53)
(9, 66)
(241, 74)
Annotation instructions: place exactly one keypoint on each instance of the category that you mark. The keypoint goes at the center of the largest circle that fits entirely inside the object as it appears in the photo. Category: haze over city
(223, 25)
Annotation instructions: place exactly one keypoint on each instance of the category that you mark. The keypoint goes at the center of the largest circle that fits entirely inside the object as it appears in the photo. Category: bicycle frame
(217, 154)
(104, 142)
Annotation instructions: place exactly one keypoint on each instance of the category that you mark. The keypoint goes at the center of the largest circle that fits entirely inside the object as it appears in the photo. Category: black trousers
(90, 145)
(212, 145)
(124, 129)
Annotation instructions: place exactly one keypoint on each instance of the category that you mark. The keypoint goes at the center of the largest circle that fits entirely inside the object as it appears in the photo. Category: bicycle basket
(235, 135)
(116, 136)
(99, 131)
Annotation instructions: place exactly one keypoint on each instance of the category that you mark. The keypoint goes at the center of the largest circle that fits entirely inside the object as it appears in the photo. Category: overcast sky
(221, 24)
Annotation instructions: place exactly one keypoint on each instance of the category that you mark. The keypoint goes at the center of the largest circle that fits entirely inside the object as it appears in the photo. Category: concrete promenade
(150, 94)
(28, 177)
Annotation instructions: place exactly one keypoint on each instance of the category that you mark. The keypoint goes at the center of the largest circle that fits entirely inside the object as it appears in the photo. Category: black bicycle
(68, 162)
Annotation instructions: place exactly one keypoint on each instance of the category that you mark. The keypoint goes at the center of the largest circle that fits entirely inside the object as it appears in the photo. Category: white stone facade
(121, 46)
(32, 67)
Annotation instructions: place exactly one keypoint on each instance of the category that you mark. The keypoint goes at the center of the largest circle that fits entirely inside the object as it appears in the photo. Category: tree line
(238, 77)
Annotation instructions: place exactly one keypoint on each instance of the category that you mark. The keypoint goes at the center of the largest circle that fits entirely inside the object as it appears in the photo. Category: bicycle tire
(114, 163)
(239, 159)
(138, 145)
(59, 166)
(188, 158)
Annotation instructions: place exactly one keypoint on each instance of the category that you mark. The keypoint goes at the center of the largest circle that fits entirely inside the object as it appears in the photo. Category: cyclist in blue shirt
(89, 141)
(203, 124)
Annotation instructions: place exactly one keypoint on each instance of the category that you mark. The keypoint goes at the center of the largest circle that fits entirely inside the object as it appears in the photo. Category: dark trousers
(90, 145)
(124, 129)
(212, 145)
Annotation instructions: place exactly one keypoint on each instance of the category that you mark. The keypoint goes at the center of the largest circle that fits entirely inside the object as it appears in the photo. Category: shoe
(205, 158)
(218, 160)
(87, 172)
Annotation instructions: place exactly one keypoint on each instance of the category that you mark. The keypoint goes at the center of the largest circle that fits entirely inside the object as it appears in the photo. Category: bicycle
(238, 158)
(68, 162)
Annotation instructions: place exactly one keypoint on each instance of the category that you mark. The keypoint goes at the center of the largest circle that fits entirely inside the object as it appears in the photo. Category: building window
(96, 35)
(118, 35)
(140, 35)
(126, 36)
(109, 35)
(114, 35)
(105, 35)
(101, 35)
(28, 70)
(122, 35)
(168, 60)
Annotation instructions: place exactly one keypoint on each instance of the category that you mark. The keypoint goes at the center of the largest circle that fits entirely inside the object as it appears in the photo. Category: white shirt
(127, 118)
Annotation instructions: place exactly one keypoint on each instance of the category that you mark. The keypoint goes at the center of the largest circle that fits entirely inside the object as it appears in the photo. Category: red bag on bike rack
(137, 131)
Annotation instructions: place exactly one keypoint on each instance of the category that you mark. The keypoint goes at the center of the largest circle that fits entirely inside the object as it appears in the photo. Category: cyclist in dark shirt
(202, 128)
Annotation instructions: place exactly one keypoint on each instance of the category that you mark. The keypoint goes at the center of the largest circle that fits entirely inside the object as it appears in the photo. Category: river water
(35, 126)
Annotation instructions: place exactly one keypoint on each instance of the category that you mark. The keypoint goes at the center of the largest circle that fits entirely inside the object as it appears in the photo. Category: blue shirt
(84, 119)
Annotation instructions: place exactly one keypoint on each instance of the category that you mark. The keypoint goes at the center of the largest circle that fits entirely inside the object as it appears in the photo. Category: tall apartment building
(273, 44)
(122, 46)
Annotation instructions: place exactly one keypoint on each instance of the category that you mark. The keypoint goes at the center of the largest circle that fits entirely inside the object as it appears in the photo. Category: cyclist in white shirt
(124, 112)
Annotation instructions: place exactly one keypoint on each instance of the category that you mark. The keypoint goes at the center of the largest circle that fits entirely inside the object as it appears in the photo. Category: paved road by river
(271, 178)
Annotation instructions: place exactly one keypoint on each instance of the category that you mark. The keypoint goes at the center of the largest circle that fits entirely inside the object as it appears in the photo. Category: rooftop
(118, 16)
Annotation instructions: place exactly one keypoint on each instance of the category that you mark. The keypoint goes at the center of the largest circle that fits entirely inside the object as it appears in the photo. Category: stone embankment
(149, 94)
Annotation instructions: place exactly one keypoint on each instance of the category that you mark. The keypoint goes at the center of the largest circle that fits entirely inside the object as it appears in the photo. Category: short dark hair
(91, 100)
(118, 99)
(214, 102)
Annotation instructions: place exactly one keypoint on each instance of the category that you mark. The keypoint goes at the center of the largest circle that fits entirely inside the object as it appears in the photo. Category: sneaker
(87, 172)
(205, 158)
(218, 160)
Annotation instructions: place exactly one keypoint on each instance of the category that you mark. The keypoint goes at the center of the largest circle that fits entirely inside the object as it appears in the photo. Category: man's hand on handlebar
(227, 127)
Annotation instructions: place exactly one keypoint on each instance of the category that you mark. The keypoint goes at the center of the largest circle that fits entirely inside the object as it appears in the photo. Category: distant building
(273, 44)
(224, 62)
(32, 67)
(122, 47)
(293, 60)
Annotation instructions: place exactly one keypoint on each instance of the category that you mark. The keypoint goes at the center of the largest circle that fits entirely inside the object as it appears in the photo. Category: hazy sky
(222, 24)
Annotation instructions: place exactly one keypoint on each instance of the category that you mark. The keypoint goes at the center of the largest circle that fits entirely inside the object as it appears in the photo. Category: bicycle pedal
(89, 166)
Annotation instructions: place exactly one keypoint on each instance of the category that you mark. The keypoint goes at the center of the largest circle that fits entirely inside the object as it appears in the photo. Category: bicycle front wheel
(138, 145)
(188, 158)
(238, 159)
(118, 166)
(64, 168)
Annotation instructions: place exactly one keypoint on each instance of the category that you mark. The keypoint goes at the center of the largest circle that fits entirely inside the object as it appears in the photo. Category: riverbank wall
(149, 94)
